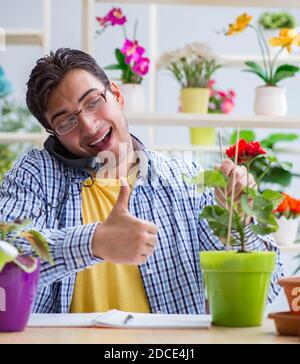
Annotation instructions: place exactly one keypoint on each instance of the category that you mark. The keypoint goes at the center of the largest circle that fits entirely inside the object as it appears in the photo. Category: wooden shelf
(216, 121)
(24, 36)
(36, 138)
(238, 3)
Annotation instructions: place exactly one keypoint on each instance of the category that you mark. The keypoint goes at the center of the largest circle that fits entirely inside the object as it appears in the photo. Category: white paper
(115, 318)
(121, 319)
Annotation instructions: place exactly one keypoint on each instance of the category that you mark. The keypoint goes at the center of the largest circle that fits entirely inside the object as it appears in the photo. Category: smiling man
(123, 226)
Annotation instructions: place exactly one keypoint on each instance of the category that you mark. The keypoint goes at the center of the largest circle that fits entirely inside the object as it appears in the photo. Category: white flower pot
(134, 97)
(287, 232)
(270, 100)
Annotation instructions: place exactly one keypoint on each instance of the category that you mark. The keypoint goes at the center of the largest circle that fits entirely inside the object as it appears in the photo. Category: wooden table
(259, 335)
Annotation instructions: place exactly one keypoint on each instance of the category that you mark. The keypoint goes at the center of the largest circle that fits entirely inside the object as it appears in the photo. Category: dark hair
(49, 72)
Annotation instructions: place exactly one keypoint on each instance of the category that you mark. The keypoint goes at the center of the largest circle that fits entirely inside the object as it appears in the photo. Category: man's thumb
(123, 198)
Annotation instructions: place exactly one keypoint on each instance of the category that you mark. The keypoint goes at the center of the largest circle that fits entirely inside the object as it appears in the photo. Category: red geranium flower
(246, 151)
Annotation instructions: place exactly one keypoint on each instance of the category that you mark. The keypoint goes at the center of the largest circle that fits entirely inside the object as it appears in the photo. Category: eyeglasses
(89, 108)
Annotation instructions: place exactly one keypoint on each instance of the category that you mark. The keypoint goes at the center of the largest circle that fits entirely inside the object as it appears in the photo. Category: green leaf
(251, 192)
(273, 196)
(272, 139)
(120, 57)
(38, 243)
(257, 69)
(248, 135)
(113, 67)
(283, 72)
(214, 178)
(262, 209)
(278, 176)
(245, 206)
(218, 219)
(209, 178)
(263, 229)
(286, 165)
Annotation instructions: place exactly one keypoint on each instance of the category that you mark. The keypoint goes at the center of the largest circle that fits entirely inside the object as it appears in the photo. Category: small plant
(285, 40)
(192, 65)
(277, 20)
(130, 58)
(253, 203)
(220, 102)
(8, 252)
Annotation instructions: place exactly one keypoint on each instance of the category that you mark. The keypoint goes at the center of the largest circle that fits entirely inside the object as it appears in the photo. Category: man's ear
(117, 93)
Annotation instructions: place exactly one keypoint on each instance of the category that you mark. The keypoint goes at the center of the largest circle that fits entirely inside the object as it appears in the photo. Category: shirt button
(149, 271)
(79, 261)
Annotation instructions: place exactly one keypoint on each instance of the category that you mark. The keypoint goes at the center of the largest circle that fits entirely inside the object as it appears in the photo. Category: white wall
(177, 26)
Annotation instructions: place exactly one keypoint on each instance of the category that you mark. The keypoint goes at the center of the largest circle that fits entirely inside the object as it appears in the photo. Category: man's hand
(122, 238)
(228, 169)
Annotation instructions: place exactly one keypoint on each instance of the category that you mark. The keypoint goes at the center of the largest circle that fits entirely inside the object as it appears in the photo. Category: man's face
(77, 88)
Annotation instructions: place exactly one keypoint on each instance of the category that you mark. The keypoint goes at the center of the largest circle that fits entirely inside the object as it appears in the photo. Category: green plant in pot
(238, 280)
(19, 273)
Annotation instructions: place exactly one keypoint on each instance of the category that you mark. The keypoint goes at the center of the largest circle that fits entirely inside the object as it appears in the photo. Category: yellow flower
(240, 24)
(287, 38)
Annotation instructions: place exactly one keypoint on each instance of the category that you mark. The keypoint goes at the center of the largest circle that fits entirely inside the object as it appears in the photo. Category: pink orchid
(116, 17)
(227, 106)
(141, 67)
(102, 21)
(132, 50)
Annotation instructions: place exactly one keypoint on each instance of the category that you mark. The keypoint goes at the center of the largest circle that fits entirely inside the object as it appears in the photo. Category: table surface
(260, 335)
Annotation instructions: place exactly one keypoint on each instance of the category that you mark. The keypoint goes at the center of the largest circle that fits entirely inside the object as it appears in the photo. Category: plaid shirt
(47, 191)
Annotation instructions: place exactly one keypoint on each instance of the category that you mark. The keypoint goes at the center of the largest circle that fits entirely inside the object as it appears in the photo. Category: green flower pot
(237, 286)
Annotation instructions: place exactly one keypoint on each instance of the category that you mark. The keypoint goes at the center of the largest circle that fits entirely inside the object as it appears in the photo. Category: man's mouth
(102, 141)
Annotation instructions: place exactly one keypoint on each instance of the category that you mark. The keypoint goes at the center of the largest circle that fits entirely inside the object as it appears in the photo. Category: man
(132, 247)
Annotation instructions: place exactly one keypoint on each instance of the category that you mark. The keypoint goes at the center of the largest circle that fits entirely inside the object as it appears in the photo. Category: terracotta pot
(291, 287)
(286, 323)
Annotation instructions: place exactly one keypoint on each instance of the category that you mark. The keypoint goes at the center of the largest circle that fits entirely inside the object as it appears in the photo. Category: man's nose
(86, 122)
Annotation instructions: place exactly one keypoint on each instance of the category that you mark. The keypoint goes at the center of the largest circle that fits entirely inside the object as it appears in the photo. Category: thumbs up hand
(122, 238)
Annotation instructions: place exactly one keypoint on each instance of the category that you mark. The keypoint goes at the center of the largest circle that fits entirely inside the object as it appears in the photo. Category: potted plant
(193, 66)
(270, 99)
(19, 274)
(131, 61)
(237, 281)
(287, 213)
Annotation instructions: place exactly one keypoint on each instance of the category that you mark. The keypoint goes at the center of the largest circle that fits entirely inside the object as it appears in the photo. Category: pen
(127, 319)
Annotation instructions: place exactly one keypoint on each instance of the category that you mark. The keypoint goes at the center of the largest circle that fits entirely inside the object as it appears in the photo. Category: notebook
(121, 319)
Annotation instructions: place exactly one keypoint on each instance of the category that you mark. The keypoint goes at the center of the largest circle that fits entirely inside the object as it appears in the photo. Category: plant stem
(261, 48)
(264, 173)
(124, 32)
(135, 29)
(267, 49)
(273, 63)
